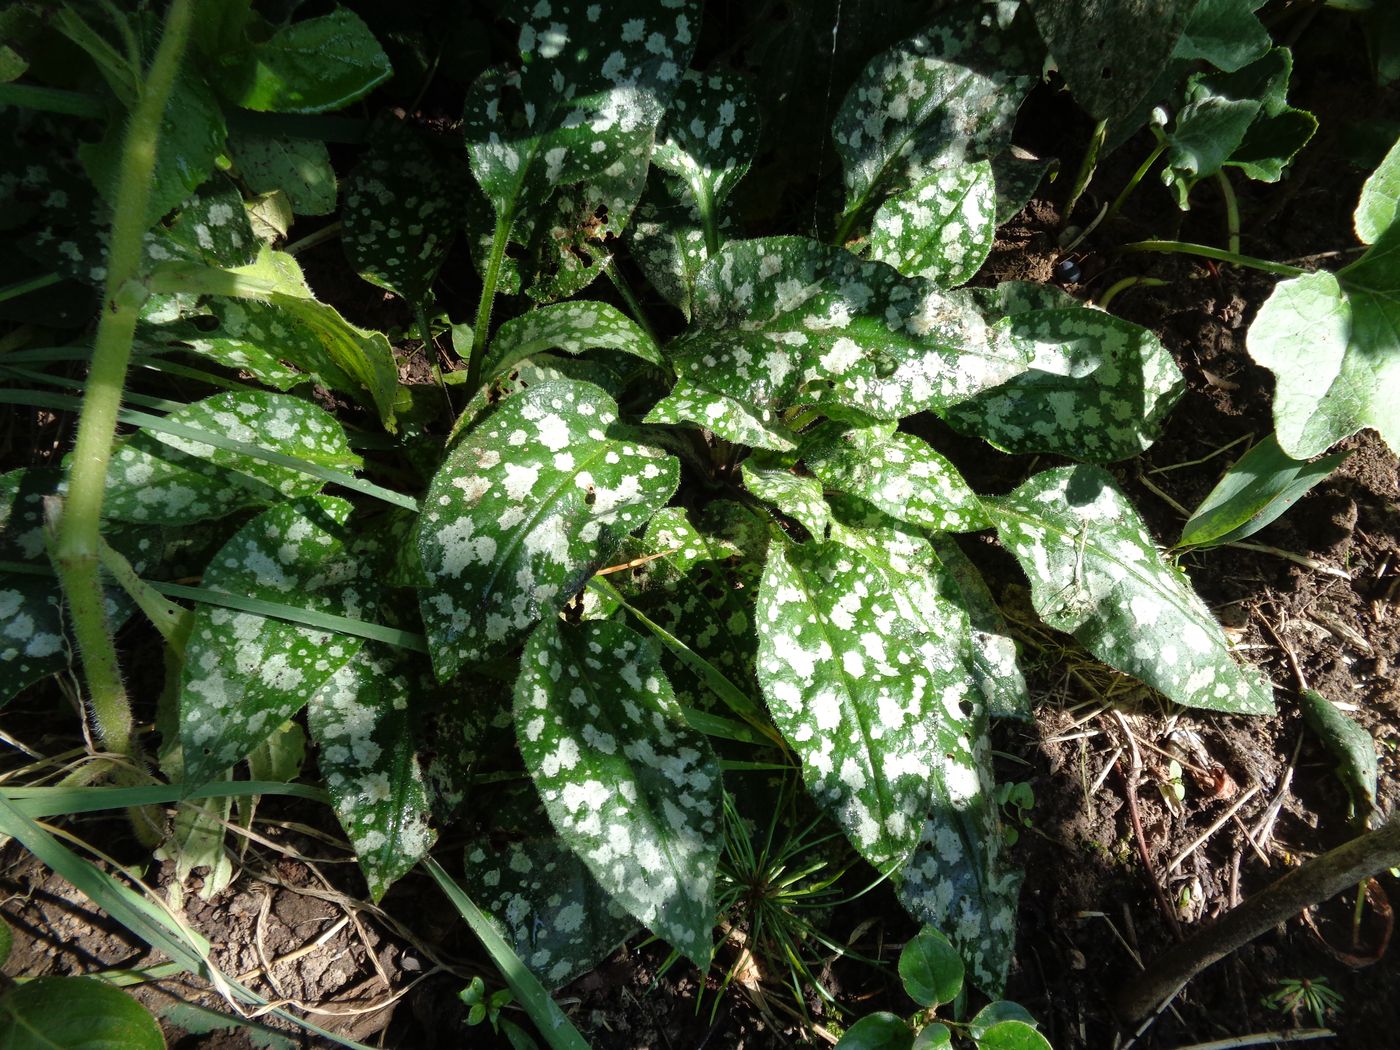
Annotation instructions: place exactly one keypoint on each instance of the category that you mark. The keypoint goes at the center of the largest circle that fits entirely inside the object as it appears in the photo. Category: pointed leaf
(400, 210)
(1261, 485)
(1095, 573)
(627, 784)
(1380, 198)
(796, 495)
(931, 102)
(1099, 388)
(548, 905)
(733, 419)
(300, 168)
(575, 327)
(1332, 343)
(667, 241)
(942, 228)
(360, 719)
(786, 322)
(896, 473)
(245, 674)
(1225, 33)
(158, 477)
(1348, 743)
(310, 66)
(523, 510)
(851, 693)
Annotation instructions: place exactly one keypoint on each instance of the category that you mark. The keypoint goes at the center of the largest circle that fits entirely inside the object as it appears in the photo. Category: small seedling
(1301, 993)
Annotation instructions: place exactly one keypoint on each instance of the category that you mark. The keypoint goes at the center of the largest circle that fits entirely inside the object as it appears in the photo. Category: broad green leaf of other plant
(170, 480)
(1096, 574)
(300, 168)
(1225, 33)
(1333, 344)
(851, 692)
(627, 784)
(310, 66)
(548, 905)
(1380, 199)
(578, 117)
(942, 229)
(523, 510)
(75, 1013)
(1351, 746)
(878, 1031)
(930, 968)
(787, 322)
(1099, 388)
(933, 101)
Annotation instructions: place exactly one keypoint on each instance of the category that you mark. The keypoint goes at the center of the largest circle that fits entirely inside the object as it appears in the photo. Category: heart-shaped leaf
(942, 229)
(1095, 573)
(548, 905)
(1225, 33)
(627, 784)
(523, 510)
(786, 322)
(1099, 388)
(162, 478)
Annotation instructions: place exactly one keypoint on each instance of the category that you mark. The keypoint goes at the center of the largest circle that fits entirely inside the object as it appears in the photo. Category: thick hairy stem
(482, 331)
(1314, 882)
(75, 549)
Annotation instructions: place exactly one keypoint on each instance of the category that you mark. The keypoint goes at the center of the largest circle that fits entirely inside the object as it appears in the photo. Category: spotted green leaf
(1096, 574)
(360, 719)
(300, 168)
(851, 692)
(246, 674)
(897, 473)
(267, 314)
(576, 121)
(32, 642)
(627, 784)
(930, 968)
(1333, 344)
(161, 478)
(942, 229)
(933, 101)
(192, 136)
(523, 510)
(1099, 388)
(575, 327)
(786, 322)
(400, 210)
(799, 496)
(994, 665)
(1110, 51)
(548, 905)
(667, 241)
(309, 66)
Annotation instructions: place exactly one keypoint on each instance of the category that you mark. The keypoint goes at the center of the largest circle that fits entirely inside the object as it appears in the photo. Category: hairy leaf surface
(1096, 574)
(786, 322)
(300, 168)
(942, 228)
(575, 327)
(161, 478)
(1099, 388)
(523, 510)
(628, 785)
(1380, 199)
(310, 66)
(799, 496)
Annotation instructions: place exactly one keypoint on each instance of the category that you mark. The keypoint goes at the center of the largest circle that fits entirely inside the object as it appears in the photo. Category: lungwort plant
(626, 573)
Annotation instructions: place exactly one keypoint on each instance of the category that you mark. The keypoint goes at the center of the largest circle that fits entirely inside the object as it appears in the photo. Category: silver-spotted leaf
(1096, 574)
(942, 229)
(627, 783)
(897, 473)
(32, 642)
(1099, 388)
(576, 121)
(850, 691)
(933, 101)
(245, 674)
(575, 327)
(360, 719)
(300, 168)
(799, 496)
(785, 322)
(401, 209)
(548, 905)
(309, 66)
(667, 241)
(1333, 344)
(523, 510)
(162, 478)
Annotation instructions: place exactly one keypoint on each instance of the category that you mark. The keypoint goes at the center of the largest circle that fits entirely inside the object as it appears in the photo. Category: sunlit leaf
(300, 168)
(575, 327)
(75, 1013)
(627, 784)
(941, 229)
(930, 968)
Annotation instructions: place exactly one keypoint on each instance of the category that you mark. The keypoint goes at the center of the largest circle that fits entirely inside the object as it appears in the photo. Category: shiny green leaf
(310, 66)
(930, 968)
(879, 1031)
(1349, 744)
(75, 1013)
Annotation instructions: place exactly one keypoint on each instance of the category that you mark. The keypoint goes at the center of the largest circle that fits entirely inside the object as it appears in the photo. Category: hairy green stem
(1219, 254)
(75, 547)
(489, 280)
(1232, 211)
(1138, 176)
(705, 202)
